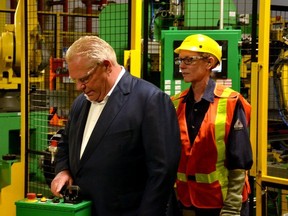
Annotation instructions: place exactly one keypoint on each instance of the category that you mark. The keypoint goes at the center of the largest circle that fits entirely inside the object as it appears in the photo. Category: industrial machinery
(183, 16)
(53, 25)
(278, 100)
(10, 51)
(10, 75)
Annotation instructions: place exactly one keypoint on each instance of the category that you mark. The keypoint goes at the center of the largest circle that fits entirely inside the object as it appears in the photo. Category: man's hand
(62, 179)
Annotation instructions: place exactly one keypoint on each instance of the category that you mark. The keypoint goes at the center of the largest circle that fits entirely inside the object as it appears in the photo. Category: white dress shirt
(95, 111)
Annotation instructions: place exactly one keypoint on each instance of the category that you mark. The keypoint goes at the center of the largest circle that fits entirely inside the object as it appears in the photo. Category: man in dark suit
(121, 144)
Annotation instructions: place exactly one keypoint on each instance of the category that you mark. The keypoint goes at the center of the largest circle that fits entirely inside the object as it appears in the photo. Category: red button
(31, 196)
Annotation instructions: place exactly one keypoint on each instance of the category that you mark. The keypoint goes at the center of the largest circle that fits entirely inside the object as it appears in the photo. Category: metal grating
(52, 27)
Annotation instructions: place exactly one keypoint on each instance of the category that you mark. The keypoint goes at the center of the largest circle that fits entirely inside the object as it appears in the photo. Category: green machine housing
(228, 73)
(37, 208)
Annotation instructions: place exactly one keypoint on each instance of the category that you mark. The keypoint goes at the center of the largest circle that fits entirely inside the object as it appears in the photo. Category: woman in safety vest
(216, 150)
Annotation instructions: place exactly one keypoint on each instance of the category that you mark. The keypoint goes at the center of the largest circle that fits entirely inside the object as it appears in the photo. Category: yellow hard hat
(200, 43)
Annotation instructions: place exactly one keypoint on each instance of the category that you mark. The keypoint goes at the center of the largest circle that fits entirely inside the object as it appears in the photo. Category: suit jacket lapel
(81, 125)
(115, 102)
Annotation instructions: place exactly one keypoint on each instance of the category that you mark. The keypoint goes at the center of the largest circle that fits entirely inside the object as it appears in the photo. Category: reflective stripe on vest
(221, 172)
(176, 102)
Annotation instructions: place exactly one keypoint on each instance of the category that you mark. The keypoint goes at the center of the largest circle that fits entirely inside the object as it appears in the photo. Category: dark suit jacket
(130, 162)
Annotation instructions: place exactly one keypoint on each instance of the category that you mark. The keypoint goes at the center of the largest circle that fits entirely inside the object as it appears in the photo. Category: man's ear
(106, 63)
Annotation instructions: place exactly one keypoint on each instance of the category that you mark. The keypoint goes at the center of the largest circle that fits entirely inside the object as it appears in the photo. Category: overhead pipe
(65, 18)
(221, 14)
(88, 12)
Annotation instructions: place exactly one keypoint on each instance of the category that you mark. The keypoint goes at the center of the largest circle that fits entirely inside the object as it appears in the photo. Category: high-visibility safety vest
(202, 178)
